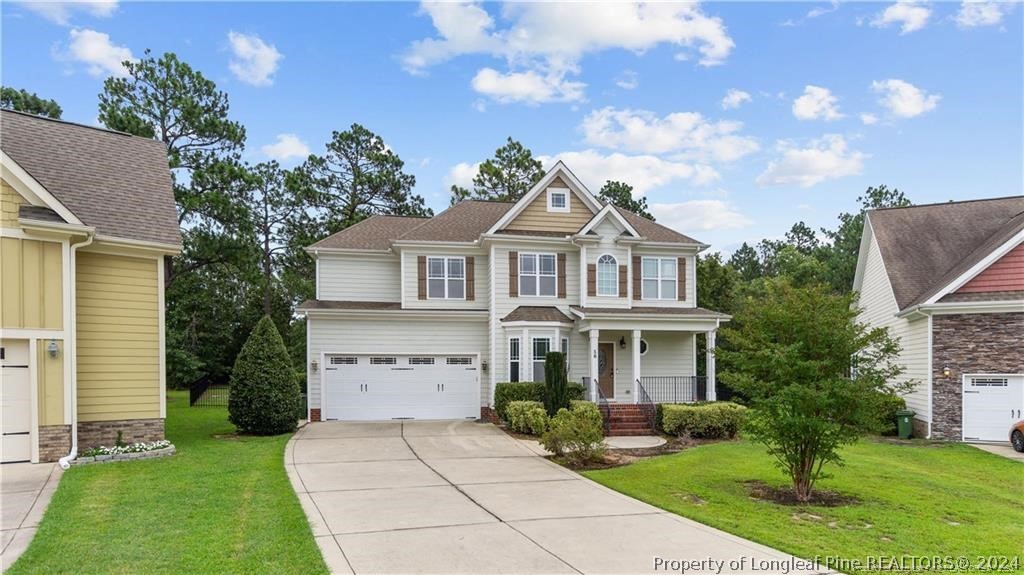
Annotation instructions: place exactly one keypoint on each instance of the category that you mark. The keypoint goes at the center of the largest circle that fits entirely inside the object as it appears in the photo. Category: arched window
(607, 276)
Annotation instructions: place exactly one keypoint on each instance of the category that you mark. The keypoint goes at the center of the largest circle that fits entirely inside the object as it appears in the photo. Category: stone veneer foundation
(54, 442)
(97, 433)
(970, 344)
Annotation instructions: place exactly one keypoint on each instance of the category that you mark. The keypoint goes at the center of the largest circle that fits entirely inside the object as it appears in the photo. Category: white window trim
(537, 275)
(519, 360)
(659, 297)
(644, 347)
(615, 283)
(551, 207)
(445, 276)
(533, 358)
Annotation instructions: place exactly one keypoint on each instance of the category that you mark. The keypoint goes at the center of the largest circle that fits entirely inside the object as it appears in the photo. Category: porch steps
(627, 419)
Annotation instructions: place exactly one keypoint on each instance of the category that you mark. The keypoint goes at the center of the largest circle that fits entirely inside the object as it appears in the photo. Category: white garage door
(992, 403)
(15, 402)
(377, 387)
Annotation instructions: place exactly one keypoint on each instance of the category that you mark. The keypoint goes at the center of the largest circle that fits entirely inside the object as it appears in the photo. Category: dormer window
(558, 200)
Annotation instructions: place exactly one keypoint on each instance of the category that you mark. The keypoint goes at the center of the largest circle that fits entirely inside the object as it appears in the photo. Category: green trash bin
(905, 423)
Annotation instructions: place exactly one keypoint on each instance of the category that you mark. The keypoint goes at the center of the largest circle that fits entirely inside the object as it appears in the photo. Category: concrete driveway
(25, 491)
(462, 497)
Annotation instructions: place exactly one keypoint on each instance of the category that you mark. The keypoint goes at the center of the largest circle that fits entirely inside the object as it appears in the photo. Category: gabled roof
(927, 247)
(654, 231)
(560, 171)
(117, 183)
(39, 214)
(373, 233)
(610, 211)
(463, 222)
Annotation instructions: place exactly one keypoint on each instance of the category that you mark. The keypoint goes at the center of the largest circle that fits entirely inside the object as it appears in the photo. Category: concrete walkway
(25, 491)
(1004, 449)
(461, 497)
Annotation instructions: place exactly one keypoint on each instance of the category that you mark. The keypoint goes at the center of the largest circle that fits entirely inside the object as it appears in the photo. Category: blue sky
(735, 119)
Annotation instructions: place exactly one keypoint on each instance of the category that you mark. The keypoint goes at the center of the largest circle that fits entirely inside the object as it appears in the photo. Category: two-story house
(422, 317)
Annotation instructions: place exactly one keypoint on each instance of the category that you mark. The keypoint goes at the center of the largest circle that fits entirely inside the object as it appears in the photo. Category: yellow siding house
(87, 220)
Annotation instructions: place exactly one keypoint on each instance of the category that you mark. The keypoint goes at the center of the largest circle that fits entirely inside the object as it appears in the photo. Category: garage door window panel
(446, 278)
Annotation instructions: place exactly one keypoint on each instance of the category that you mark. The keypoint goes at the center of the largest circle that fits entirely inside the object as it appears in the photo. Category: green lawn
(916, 499)
(220, 505)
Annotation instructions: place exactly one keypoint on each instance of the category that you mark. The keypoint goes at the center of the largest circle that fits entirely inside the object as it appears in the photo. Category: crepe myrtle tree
(791, 350)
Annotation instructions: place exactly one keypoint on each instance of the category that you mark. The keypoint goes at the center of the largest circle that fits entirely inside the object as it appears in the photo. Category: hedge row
(717, 420)
(526, 391)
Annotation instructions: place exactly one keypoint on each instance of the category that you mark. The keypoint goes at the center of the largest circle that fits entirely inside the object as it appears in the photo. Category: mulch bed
(787, 496)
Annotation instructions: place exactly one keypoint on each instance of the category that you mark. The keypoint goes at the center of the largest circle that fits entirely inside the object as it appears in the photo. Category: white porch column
(594, 369)
(636, 366)
(710, 357)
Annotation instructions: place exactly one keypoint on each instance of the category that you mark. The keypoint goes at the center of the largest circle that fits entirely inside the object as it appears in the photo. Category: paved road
(461, 497)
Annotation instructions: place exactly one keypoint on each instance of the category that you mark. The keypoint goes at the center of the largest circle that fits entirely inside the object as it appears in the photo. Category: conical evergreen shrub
(556, 385)
(264, 395)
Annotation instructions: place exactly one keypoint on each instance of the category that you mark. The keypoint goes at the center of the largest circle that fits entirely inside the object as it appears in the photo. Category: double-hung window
(537, 275)
(541, 347)
(659, 278)
(513, 359)
(446, 278)
(607, 276)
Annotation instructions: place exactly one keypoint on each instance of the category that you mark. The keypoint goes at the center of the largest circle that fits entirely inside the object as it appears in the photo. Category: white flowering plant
(130, 448)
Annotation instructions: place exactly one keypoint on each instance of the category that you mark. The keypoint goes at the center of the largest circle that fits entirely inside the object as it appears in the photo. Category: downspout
(65, 462)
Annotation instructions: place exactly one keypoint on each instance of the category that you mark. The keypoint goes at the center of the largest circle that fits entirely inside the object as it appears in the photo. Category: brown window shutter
(622, 281)
(470, 279)
(421, 277)
(592, 280)
(513, 274)
(637, 275)
(681, 278)
(561, 275)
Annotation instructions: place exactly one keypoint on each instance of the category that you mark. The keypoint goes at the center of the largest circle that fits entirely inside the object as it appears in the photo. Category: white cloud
(461, 175)
(539, 38)
(686, 133)
(94, 49)
(822, 10)
(825, 158)
(643, 172)
(903, 99)
(975, 13)
(909, 14)
(529, 87)
(816, 103)
(628, 80)
(287, 146)
(700, 215)
(868, 119)
(735, 98)
(253, 60)
(62, 12)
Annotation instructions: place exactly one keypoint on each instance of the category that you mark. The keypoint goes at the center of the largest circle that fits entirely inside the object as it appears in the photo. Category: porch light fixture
(483, 366)
(945, 371)
(52, 348)
(622, 342)
(315, 366)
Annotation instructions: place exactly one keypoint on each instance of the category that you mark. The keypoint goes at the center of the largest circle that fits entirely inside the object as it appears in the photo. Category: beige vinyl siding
(879, 309)
(10, 202)
(359, 278)
(691, 278)
(383, 335)
(481, 279)
(536, 217)
(50, 381)
(118, 337)
(608, 232)
(31, 294)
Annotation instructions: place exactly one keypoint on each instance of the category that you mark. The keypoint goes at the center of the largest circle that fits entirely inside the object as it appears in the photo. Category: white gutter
(65, 462)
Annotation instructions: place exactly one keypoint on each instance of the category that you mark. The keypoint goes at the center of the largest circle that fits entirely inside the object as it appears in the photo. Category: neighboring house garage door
(992, 403)
(376, 387)
(16, 401)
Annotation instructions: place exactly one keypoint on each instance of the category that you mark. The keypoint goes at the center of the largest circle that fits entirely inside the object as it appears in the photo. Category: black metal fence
(207, 392)
(675, 389)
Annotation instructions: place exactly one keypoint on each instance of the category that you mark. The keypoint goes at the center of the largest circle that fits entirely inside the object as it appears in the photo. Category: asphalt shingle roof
(924, 248)
(117, 183)
(373, 233)
(536, 313)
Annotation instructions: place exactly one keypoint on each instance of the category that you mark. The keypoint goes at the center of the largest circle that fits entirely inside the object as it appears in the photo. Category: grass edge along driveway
(221, 504)
(920, 498)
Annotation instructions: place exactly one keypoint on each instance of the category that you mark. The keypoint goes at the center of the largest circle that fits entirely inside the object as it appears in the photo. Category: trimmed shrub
(527, 417)
(527, 391)
(264, 396)
(584, 405)
(886, 405)
(718, 420)
(556, 393)
(577, 434)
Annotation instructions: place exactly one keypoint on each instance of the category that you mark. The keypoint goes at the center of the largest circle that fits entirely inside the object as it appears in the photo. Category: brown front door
(606, 369)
